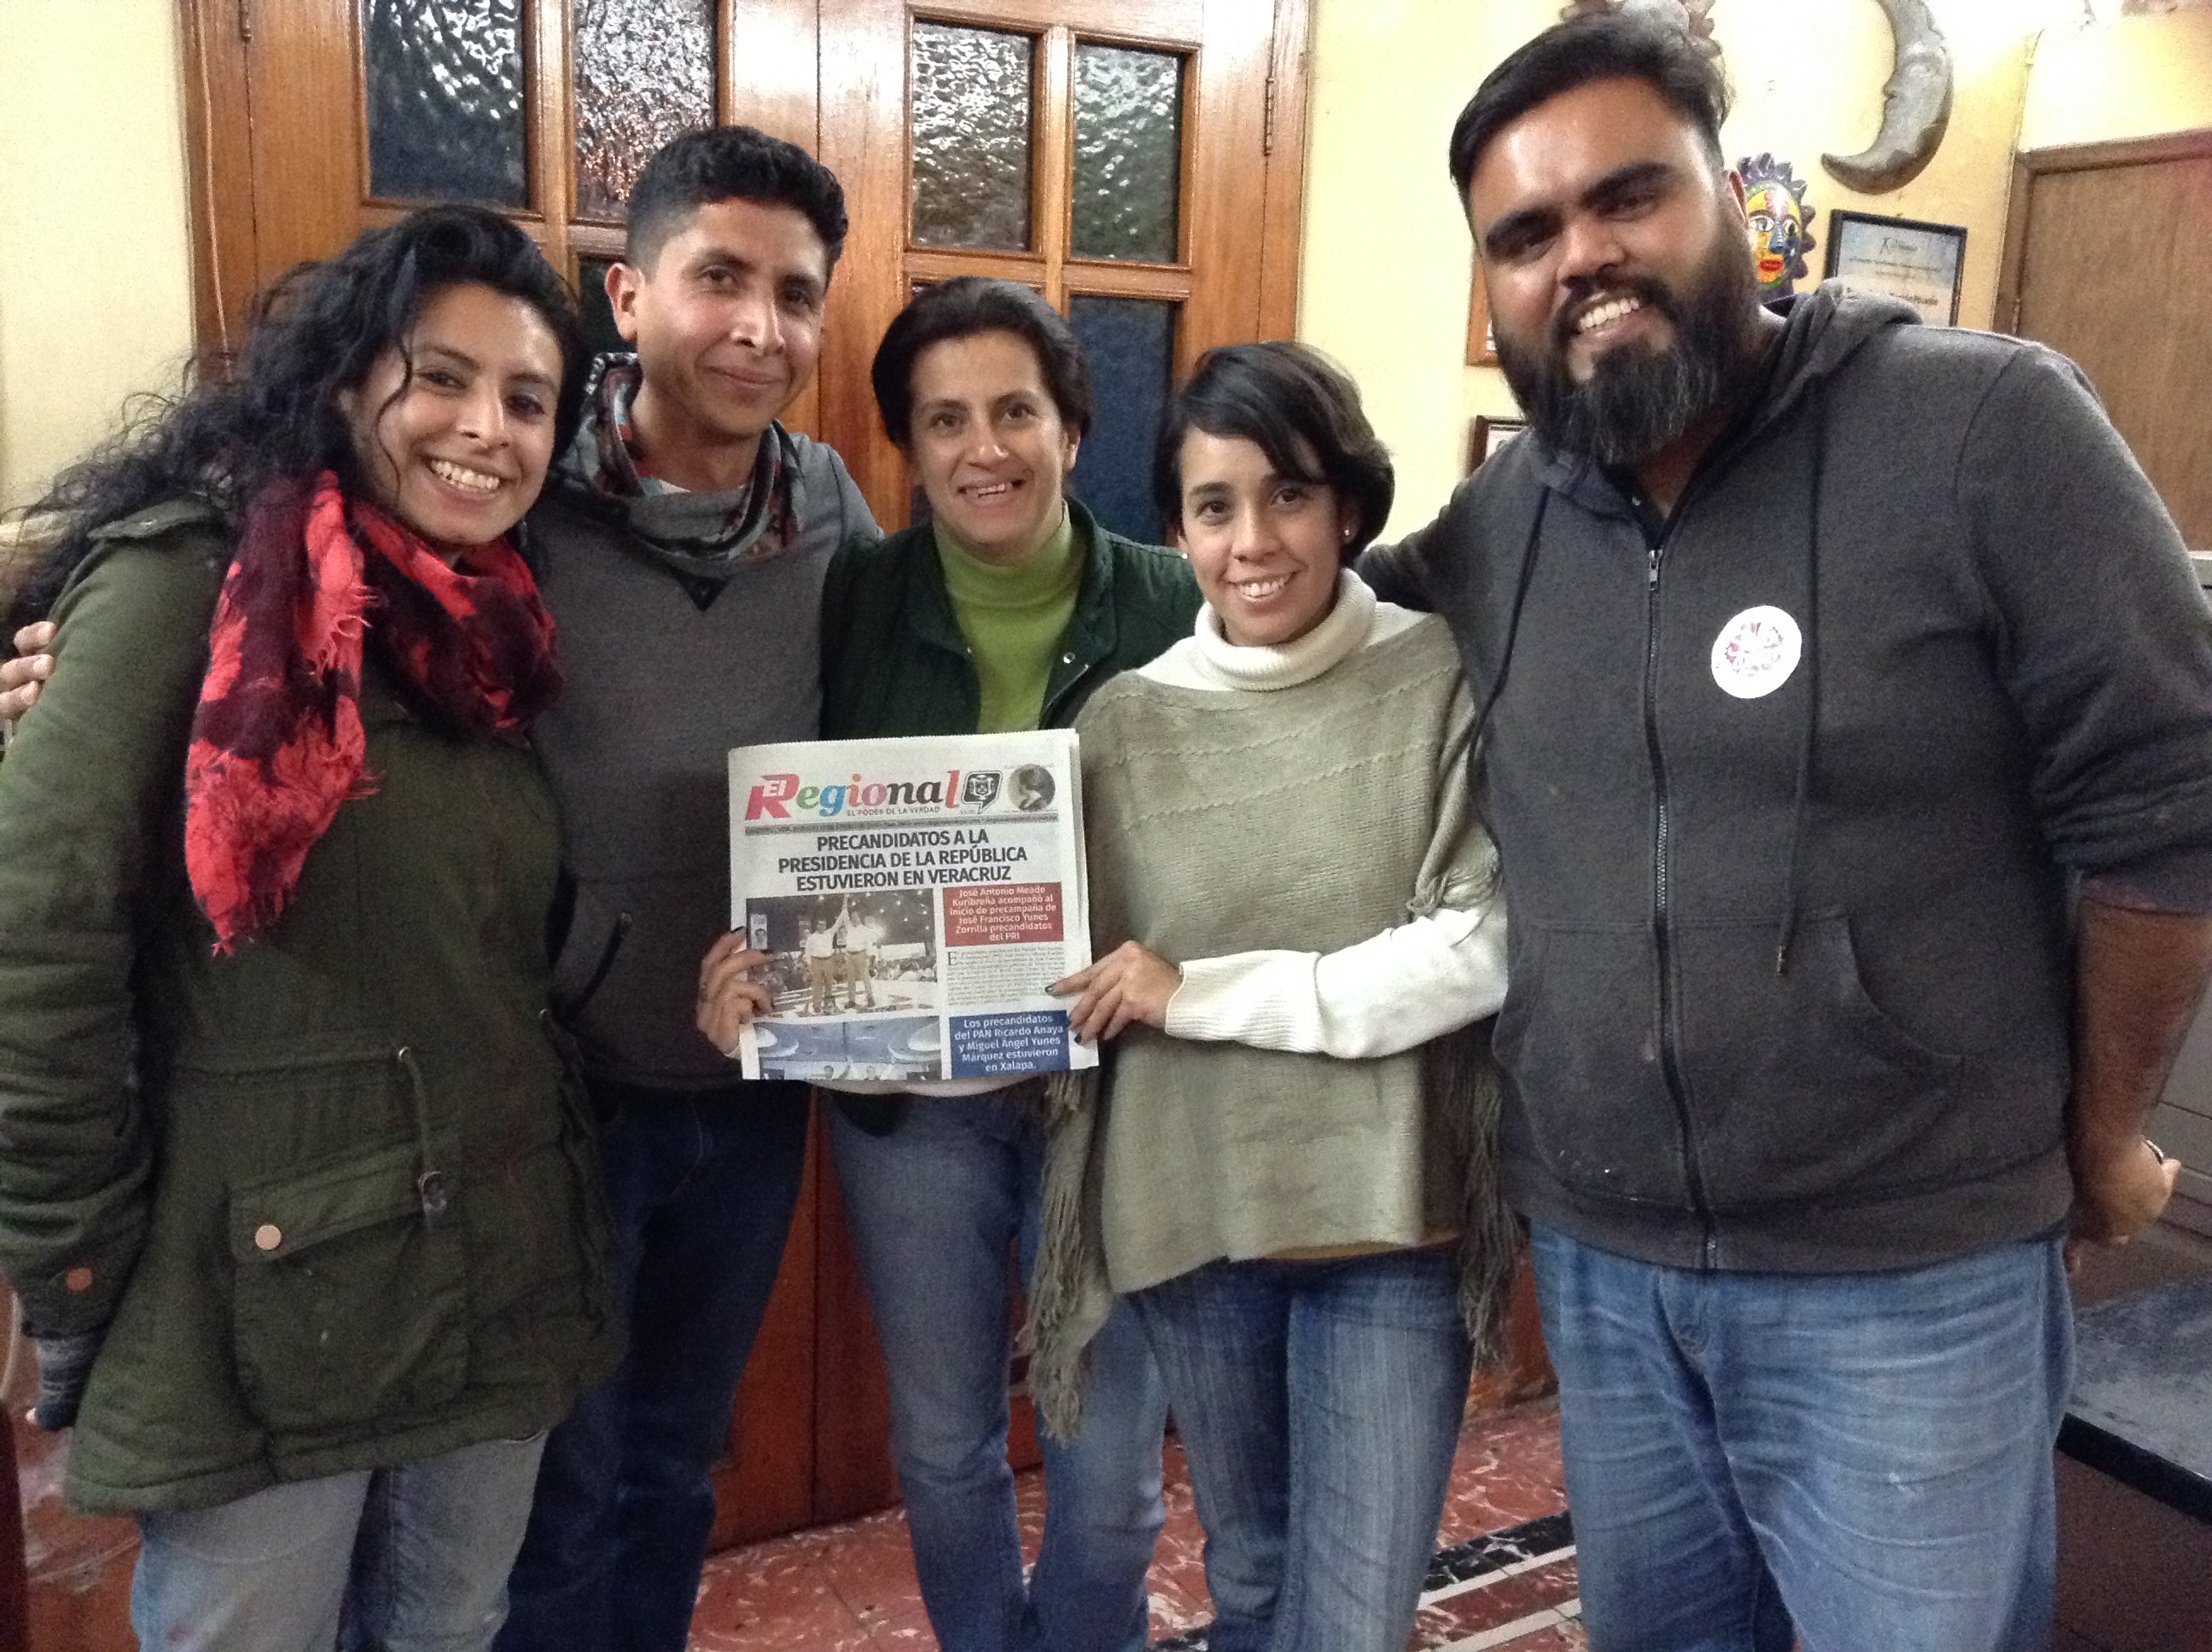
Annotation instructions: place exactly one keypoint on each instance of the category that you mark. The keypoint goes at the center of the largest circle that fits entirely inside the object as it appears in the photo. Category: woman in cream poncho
(1287, 1169)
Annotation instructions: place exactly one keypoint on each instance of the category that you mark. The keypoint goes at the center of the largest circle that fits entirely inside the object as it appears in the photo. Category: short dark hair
(1299, 409)
(729, 163)
(962, 307)
(1610, 45)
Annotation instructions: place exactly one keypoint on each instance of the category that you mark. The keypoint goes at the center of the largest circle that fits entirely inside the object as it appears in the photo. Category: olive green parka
(332, 1201)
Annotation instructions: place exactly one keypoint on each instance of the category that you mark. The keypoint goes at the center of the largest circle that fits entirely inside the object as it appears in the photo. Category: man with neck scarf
(1845, 715)
(682, 547)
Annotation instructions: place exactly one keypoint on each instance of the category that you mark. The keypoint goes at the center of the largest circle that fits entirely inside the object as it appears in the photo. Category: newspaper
(917, 898)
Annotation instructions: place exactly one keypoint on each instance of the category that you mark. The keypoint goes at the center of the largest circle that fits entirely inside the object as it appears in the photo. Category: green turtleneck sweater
(1011, 619)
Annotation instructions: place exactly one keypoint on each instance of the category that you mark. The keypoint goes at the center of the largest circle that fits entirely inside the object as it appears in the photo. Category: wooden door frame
(213, 36)
(2031, 164)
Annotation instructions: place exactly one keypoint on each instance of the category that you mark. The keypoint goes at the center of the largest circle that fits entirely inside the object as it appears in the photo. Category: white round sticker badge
(1756, 651)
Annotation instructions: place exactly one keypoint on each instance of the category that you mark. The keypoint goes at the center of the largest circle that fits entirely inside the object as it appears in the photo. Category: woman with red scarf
(299, 1207)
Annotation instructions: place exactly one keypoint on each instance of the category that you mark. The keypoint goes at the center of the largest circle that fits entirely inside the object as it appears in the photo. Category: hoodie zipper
(1669, 1059)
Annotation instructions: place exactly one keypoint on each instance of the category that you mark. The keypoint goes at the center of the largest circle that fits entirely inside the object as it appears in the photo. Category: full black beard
(1638, 398)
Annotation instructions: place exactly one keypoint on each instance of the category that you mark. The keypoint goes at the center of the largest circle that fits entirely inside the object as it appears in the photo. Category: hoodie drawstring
(1812, 649)
(1512, 622)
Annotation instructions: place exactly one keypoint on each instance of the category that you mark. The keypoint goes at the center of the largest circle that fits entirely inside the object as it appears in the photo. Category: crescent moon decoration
(1693, 17)
(1915, 107)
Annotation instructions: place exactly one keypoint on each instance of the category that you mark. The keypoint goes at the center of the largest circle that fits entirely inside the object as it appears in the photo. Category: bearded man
(1846, 707)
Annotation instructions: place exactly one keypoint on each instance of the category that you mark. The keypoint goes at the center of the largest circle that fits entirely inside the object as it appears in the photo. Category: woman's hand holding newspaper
(729, 996)
(1128, 984)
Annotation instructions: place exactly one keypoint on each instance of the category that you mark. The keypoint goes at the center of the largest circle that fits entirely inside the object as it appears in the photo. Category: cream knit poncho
(1221, 820)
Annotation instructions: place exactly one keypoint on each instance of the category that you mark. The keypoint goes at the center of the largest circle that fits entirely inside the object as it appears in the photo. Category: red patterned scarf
(277, 743)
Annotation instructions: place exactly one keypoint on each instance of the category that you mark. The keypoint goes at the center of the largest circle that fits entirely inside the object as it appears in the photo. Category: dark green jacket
(893, 660)
(330, 1197)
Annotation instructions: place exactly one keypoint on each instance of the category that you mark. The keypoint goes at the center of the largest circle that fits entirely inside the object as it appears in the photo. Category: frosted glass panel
(644, 72)
(1128, 153)
(1130, 342)
(970, 90)
(445, 100)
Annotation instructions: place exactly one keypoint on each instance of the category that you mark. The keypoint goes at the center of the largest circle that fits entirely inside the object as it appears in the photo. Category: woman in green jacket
(298, 1208)
(1005, 611)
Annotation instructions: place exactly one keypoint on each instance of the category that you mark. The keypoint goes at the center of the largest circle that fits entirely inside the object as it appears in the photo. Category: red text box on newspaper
(1000, 914)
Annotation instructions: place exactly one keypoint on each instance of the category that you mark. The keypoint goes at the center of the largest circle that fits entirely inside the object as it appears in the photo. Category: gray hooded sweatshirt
(1789, 789)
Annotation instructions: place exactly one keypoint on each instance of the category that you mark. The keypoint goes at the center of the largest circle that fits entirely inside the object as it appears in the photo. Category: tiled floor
(2134, 1575)
(851, 1588)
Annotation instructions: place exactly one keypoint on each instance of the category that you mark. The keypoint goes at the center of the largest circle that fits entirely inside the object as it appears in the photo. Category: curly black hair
(313, 332)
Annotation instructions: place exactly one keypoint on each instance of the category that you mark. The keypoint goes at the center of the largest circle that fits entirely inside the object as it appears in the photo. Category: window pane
(971, 137)
(1131, 345)
(1128, 153)
(598, 314)
(445, 100)
(645, 71)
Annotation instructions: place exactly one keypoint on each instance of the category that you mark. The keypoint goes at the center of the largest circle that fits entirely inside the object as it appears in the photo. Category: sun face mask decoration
(1781, 223)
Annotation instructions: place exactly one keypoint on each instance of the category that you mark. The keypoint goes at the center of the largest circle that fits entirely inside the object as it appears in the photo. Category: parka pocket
(352, 1303)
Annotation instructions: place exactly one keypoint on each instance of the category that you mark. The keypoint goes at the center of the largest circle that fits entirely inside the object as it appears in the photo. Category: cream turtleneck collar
(1207, 660)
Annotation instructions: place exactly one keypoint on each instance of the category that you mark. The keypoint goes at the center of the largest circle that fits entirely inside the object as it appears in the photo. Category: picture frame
(1924, 263)
(1481, 342)
(1487, 435)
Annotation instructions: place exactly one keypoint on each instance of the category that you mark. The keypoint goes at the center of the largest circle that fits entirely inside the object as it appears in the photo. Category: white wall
(95, 265)
(1388, 259)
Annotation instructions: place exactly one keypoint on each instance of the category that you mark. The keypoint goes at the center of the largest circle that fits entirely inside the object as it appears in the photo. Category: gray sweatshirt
(1789, 789)
(658, 690)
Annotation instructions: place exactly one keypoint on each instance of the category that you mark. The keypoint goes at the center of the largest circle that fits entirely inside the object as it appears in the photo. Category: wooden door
(308, 120)
(2105, 253)
(1139, 162)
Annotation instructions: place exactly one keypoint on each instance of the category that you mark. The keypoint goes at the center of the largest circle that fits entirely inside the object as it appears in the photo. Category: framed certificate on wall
(1487, 435)
(1919, 263)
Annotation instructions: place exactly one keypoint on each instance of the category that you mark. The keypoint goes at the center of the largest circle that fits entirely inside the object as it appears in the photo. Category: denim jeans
(1862, 1460)
(934, 1208)
(699, 1190)
(1319, 1404)
(425, 1548)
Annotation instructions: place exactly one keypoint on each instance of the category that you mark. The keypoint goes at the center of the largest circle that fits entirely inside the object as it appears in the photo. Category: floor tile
(850, 1586)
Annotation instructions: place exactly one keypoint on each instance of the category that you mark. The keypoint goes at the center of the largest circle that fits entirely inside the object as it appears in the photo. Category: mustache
(1585, 290)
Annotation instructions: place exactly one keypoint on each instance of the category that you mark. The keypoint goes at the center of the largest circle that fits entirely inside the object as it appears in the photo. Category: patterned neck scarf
(752, 524)
(277, 743)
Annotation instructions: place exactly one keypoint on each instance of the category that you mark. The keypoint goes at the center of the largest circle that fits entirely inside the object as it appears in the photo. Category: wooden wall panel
(767, 1486)
(310, 173)
(219, 160)
(2104, 261)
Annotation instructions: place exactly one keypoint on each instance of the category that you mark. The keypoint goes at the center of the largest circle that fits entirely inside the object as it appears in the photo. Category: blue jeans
(699, 1190)
(424, 1547)
(934, 1208)
(1319, 1405)
(1860, 1459)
